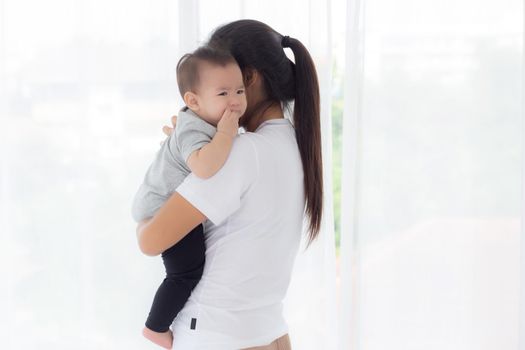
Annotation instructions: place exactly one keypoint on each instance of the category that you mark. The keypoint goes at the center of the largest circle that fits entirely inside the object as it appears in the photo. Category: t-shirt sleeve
(220, 196)
(191, 134)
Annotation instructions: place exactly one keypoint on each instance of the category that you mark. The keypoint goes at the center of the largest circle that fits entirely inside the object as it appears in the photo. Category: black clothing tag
(193, 323)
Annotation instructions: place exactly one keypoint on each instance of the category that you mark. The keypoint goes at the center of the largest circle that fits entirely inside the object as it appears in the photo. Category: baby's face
(220, 87)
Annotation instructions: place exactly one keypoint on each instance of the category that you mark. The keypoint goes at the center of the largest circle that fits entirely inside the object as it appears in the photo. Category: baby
(211, 85)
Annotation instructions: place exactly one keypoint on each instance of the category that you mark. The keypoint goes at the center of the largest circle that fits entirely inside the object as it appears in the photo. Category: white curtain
(432, 200)
(432, 194)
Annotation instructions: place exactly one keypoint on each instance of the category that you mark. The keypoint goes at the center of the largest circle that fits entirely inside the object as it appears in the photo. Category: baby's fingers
(227, 113)
(236, 114)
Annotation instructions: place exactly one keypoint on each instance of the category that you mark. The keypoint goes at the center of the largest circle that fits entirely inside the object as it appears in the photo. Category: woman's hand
(167, 130)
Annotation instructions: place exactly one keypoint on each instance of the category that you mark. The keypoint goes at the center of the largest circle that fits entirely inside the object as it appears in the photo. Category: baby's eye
(224, 93)
(240, 92)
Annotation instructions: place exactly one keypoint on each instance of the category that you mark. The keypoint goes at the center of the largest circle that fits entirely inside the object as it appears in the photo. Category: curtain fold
(352, 115)
(5, 231)
(521, 321)
(189, 25)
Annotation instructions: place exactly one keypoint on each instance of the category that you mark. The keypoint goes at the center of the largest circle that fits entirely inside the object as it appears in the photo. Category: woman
(255, 204)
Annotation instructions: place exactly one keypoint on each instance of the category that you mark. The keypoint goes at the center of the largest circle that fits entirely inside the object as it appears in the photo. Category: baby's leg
(184, 264)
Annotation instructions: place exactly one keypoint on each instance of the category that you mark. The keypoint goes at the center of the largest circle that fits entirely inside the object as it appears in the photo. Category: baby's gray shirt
(169, 168)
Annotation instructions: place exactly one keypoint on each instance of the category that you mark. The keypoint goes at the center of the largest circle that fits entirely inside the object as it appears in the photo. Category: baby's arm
(206, 161)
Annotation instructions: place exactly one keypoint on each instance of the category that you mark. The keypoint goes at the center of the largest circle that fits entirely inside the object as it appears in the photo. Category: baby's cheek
(216, 110)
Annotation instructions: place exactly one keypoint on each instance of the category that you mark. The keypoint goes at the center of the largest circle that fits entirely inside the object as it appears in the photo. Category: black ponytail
(257, 46)
(307, 124)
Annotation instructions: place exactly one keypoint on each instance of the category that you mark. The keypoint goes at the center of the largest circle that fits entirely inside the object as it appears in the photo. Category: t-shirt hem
(208, 341)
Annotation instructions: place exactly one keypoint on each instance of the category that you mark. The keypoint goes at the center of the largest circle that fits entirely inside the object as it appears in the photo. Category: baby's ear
(190, 99)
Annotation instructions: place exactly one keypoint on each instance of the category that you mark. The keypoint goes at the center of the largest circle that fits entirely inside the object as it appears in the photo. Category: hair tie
(285, 41)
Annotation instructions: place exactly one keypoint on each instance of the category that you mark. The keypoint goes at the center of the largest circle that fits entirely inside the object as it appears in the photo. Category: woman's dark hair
(189, 64)
(257, 46)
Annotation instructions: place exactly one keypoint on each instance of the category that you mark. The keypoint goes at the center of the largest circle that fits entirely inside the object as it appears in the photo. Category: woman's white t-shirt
(255, 208)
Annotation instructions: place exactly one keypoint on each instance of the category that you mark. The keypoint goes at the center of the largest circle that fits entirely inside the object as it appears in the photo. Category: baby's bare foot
(162, 339)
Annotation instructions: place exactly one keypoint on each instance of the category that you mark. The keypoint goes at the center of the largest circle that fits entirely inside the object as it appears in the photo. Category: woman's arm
(174, 220)
(160, 232)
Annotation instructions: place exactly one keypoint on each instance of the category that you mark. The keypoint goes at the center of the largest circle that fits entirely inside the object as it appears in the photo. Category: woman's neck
(274, 111)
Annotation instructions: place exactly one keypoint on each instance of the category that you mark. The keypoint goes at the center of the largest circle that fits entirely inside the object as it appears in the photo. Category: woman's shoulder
(243, 156)
(244, 144)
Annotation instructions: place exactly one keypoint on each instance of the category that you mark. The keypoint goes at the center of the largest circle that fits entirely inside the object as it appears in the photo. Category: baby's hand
(229, 123)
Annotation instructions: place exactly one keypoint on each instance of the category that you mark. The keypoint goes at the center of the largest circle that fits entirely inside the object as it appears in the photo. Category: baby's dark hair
(188, 66)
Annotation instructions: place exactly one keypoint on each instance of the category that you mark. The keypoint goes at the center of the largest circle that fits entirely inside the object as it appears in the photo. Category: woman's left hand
(167, 130)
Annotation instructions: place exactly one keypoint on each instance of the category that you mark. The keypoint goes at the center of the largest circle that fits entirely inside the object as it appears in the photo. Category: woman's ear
(190, 99)
(250, 76)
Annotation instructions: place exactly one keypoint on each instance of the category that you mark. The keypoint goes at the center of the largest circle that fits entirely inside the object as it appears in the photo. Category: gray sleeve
(192, 133)
(158, 182)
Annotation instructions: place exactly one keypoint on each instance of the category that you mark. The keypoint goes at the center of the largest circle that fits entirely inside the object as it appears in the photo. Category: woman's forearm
(174, 220)
(141, 226)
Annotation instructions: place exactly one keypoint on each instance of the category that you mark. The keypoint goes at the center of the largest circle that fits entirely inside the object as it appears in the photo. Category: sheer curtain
(85, 89)
(432, 175)
(431, 181)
